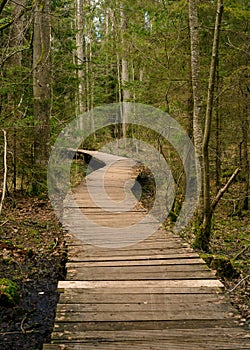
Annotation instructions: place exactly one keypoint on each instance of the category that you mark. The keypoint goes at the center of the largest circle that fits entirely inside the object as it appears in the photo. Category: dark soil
(32, 254)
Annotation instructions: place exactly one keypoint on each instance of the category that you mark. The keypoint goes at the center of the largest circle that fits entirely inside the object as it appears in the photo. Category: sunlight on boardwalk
(154, 294)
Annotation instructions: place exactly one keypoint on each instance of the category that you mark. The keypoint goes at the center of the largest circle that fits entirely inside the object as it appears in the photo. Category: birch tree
(80, 56)
(195, 77)
(124, 73)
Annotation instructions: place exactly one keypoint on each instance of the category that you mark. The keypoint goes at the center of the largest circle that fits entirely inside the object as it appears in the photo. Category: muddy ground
(32, 254)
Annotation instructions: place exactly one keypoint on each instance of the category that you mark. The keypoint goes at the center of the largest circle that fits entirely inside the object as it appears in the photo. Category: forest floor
(33, 254)
(229, 254)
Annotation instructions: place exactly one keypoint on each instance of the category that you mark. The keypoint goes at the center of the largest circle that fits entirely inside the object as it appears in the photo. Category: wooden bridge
(155, 294)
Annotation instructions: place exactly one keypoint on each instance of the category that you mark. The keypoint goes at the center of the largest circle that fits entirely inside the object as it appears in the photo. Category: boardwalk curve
(153, 293)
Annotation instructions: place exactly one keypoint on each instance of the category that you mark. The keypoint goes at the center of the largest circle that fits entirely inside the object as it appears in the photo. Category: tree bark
(201, 139)
(244, 201)
(197, 132)
(16, 34)
(80, 56)
(124, 75)
(41, 90)
(207, 130)
(221, 192)
(16, 42)
(5, 171)
(218, 133)
(195, 75)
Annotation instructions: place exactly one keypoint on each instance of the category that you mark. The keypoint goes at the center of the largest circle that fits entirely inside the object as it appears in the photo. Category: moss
(223, 265)
(202, 238)
(9, 292)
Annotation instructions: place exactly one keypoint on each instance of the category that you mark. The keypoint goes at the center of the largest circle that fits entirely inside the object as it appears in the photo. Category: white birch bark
(80, 56)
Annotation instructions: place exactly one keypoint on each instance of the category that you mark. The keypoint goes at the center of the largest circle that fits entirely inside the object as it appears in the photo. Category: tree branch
(19, 15)
(3, 3)
(237, 285)
(241, 252)
(224, 189)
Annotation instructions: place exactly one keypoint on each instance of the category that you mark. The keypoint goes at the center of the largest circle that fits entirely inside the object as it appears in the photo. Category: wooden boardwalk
(155, 294)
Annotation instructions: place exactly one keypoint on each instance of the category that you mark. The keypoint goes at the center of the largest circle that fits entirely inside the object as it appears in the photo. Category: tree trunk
(80, 56)
(16, 41)
(190, 108)
(196, 91)
(125, 76)
(196, 80)
(244, 201)
(218, 133)
(207, 218)
(41, 90)
(5, 170)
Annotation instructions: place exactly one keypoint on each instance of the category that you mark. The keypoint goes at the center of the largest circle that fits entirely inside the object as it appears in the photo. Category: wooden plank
(132, 316)
(150, 268)
(145, 246)
(147, 346)
(159, 345)
(221, 335)
(124, 263)
(146, 262)
(77, 254)
(77, 296)
(140, 284)
(143, 308)
(141, 290)
(157, 240)
(115, 257)
(146, 325)
(85, 275)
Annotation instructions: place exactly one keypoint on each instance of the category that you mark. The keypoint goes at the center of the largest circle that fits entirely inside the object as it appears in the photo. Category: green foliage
(77, 172)
(155, 42)
(9, 293)
(202, 238)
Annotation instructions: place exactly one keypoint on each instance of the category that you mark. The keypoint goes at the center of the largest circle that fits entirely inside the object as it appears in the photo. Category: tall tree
(41, 90)
(80, 56)
(196, 77)
(243, 203)
(124, 73)
(204, 238)
(15, 63)
(201, 140)
(197, 93)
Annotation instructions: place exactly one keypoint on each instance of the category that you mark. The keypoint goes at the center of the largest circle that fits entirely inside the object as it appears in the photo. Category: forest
(63, 58)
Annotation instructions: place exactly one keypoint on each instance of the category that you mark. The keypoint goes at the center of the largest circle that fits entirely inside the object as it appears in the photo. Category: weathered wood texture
(155, 294)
